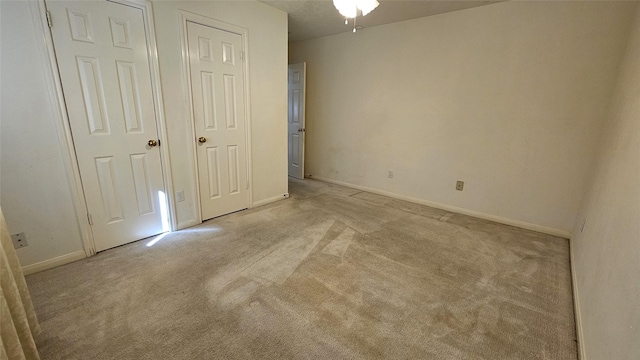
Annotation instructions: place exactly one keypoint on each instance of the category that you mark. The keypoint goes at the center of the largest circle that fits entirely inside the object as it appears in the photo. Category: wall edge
(499, 219)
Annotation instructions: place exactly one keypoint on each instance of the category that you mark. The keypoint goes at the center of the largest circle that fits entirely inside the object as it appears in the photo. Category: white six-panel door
(102, 56)
(296, 119)
(217, 92)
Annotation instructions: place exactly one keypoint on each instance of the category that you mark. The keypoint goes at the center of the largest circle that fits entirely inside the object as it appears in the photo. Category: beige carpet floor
(331, 273)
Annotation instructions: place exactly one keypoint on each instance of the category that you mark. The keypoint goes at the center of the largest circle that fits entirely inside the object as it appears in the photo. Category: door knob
(202, 139)
(152, 143)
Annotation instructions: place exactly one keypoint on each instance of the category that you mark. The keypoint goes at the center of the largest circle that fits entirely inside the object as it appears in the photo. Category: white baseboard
(56, 261)
(193, 222)
(270, 200)
(576, 305)
(187, 223)
(480, 215)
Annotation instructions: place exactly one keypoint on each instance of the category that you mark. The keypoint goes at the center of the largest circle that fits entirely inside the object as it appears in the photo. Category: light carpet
(331, 273)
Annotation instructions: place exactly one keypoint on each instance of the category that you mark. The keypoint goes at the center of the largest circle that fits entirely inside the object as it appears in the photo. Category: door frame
(184, 17)
(56, 95)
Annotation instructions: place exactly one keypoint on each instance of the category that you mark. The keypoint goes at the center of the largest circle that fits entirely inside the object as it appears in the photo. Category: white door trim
(54, 88)
(186, 83)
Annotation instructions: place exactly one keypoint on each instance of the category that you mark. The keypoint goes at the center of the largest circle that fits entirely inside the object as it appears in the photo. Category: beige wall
(508, 97)
(35, 193)
(606, 252)
(267, 55)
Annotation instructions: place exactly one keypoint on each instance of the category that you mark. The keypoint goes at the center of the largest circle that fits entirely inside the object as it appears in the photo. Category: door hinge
(49, 22)
(242, 56)
(90, 218)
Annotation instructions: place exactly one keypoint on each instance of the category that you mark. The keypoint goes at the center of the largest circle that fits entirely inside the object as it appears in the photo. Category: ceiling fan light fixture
(349, 8)
(346, 8)
(367, 6)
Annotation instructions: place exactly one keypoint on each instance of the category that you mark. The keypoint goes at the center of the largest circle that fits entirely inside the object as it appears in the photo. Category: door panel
(217, 91)
(296, 119)
(214, 172)
(101, 49)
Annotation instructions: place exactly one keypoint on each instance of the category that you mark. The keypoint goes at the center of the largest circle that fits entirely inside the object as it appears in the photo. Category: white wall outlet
(19, 240)
(180, 195)
(459, 185)
(390, 174)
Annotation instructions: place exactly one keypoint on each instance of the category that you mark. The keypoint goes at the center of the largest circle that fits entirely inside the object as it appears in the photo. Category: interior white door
(101, 49)
(296, 118)
(217, 92)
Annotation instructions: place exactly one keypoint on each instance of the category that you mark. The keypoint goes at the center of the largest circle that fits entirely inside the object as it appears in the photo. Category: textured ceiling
(310, 19)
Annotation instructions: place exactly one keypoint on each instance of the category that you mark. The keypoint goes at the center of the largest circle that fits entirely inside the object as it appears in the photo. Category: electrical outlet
(180, 195)
(390, 174)
(19, 240)
(459, 185)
